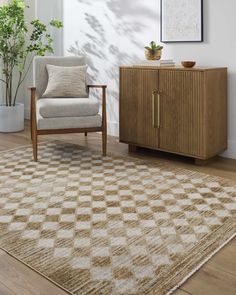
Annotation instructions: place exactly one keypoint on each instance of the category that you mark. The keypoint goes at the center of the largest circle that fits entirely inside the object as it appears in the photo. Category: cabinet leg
(132, 148)
(200, 162)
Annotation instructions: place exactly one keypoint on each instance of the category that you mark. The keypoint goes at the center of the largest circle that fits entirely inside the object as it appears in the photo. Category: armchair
(64, 115)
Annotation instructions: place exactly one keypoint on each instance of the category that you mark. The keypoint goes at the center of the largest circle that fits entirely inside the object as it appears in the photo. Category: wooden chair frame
(35, 132)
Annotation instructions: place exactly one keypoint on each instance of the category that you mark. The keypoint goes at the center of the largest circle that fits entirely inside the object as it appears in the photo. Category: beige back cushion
(66, 82)
(41, 73)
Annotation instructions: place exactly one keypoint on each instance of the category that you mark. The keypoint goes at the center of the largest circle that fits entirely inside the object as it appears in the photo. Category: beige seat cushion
(69, 122)
(66, 81)
(67, 107)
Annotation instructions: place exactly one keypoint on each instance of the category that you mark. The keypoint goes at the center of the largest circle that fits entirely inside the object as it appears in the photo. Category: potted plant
(153, 51)
(19, 43)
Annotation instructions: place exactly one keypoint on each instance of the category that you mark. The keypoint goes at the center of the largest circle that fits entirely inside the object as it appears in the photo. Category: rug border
(171, 291)
(38, 272)
(12, 255)
(184, 280)
(25, 145)
(207, 259)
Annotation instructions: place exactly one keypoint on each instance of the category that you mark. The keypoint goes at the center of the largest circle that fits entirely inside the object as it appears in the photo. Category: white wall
(113, 32)
(44, 10)
(47, 10)
(110, 33)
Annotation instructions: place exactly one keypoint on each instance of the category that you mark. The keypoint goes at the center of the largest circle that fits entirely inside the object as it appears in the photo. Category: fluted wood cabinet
(177, 110)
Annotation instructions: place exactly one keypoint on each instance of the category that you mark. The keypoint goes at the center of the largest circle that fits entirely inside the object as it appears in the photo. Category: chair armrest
(33, 109)
(97, 86)
(33, 95)
(31, 88)
(104, 111)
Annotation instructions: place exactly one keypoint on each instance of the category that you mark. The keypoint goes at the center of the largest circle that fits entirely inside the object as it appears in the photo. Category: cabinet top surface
(179, 68)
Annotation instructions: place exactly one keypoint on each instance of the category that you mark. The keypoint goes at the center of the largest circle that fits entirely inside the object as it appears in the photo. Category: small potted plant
(19, 43)
(153, 51)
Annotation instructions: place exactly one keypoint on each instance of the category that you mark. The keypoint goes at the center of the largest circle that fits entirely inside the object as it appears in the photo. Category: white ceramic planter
(12, 118)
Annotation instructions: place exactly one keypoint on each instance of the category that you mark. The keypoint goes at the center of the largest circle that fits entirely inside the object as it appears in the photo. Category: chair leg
(35, 146)
(31, 130)
(31, 127)
(104, 143)
(86, 133)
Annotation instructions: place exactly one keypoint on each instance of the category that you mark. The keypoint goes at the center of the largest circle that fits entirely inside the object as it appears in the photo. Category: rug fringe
(38, 272)
(200, 265)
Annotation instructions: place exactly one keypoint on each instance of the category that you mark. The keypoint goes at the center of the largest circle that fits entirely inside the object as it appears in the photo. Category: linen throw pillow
(66, 82)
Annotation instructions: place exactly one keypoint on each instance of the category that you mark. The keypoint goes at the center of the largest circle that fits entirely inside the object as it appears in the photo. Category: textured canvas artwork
(181, 21)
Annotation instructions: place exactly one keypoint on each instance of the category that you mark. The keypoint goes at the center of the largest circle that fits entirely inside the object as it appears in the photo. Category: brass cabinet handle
(156, 112)
(154, 124)
(153, 109)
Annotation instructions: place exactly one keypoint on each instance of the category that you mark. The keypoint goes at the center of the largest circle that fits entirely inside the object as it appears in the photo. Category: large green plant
(19, 43)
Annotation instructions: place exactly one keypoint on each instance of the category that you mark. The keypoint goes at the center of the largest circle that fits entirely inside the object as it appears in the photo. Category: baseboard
(113, 128)
(27, 113)
(231, 151)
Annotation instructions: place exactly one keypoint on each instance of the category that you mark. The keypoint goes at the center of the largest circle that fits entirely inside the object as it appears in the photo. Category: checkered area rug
(112, 225)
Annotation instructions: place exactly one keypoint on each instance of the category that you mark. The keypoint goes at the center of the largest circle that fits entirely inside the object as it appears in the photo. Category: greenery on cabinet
(20, 41)
(153, 51)
(153, 46)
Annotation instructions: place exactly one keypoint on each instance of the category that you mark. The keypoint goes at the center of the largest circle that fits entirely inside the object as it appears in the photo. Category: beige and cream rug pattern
(112, 225)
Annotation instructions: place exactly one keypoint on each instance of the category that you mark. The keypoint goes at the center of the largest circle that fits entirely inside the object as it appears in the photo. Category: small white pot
(12, 118)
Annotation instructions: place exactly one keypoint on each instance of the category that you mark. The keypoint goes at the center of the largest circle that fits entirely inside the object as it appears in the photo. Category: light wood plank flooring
(217, 277)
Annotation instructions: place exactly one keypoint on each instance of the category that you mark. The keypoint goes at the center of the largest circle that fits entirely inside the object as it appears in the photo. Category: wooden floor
(217, 277)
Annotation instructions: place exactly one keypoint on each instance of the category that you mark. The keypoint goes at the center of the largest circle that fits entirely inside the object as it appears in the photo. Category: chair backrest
(40, 74)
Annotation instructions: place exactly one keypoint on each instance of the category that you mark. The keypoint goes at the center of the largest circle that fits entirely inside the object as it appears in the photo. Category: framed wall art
(181, 21)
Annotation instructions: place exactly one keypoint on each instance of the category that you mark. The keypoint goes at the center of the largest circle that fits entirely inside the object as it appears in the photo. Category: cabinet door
(136, 107)
(182, 111)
